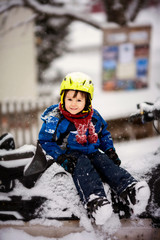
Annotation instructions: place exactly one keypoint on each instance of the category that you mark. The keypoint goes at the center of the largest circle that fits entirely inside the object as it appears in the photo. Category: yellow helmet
(77, 81)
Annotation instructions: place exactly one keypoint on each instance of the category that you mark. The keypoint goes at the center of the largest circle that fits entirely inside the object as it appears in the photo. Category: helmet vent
(84, 82)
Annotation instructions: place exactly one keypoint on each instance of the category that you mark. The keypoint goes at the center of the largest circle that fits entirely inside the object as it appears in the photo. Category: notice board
(125, 58)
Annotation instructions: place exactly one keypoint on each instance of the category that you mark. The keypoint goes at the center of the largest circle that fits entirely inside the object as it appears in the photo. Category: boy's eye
(79, 100)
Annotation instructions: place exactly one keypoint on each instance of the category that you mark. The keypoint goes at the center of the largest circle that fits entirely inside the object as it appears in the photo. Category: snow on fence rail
(22, 118)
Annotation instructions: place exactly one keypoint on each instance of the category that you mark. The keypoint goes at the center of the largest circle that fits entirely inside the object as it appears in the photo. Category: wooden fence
(22, 118)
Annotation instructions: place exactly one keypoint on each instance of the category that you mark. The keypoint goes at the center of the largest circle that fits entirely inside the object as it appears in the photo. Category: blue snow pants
(91, 169)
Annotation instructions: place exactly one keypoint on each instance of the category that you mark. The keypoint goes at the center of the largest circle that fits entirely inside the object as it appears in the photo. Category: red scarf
(82, 122)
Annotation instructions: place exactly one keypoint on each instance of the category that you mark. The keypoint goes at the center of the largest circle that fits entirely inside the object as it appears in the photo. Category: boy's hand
(111, 153)
(68, 162)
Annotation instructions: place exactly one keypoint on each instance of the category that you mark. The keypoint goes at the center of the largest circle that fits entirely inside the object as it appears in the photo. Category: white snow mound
(142, 197)
(102, 214)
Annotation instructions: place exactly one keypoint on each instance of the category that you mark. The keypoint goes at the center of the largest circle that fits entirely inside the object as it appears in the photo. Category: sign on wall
(126, 58)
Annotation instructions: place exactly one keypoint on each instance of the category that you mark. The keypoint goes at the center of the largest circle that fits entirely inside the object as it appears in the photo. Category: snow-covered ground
(138, 157)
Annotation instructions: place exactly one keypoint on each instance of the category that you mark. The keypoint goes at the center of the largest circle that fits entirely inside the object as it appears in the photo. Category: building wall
(17, 56)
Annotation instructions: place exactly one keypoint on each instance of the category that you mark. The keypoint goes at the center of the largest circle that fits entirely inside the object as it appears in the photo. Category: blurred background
(116, 42)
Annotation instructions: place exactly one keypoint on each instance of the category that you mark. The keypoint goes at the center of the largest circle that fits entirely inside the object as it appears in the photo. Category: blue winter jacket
(58, 135)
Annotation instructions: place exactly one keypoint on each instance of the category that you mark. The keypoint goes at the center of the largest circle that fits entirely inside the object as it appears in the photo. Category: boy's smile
(73, 104)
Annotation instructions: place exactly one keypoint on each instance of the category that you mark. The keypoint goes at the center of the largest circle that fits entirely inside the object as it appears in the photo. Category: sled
(25, 209)
(25, 212)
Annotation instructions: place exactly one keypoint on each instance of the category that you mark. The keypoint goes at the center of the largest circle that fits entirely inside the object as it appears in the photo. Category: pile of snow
(138, 157)
(10, 234)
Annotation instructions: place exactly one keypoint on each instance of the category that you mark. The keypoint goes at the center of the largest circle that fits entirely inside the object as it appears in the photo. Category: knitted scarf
(82, 122)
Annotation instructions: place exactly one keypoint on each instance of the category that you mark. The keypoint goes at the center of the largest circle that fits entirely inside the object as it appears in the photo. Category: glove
(68, 162)
(147, 117)
(111, 153)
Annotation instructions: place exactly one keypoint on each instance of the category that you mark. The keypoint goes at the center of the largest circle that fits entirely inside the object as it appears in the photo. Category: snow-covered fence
(22, 118)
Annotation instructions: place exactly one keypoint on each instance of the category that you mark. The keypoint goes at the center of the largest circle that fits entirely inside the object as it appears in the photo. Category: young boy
(76, 136)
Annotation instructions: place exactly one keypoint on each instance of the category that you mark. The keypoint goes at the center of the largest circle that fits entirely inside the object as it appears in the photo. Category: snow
(143, 194)
(103, 214)
(138, 157)
(8, 234)
(21, 150)
(139, 152)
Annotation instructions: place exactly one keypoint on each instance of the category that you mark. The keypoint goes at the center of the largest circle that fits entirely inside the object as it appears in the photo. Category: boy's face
(73, 104)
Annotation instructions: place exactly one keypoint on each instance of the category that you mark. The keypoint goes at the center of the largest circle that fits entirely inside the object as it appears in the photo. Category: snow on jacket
(58, 135)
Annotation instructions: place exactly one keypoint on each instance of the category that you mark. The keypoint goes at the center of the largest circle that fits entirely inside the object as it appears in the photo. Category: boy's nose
(73, 103)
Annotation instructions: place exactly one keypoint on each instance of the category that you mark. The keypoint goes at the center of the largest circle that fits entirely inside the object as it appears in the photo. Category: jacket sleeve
(105, 138)
(47, 139)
